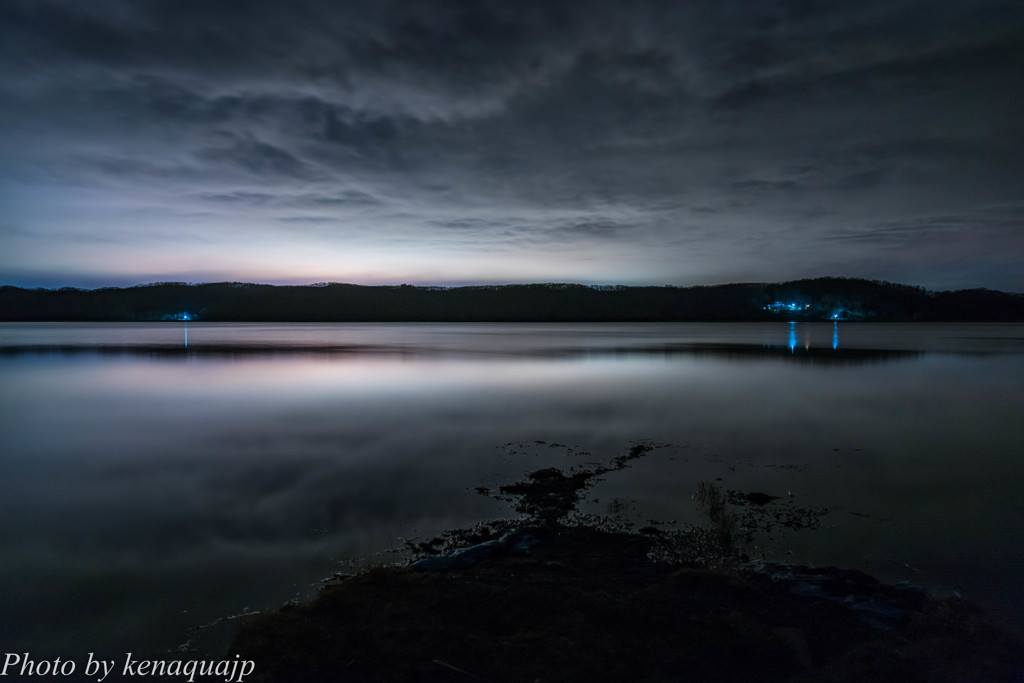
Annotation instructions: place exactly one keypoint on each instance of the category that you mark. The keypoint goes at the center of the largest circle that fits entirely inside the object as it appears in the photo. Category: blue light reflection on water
(813, 336)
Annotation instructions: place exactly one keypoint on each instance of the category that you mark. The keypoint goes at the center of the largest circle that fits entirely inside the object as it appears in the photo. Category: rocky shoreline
(553, 600)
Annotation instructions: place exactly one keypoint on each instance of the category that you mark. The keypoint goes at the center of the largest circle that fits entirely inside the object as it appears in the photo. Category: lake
(156, 478)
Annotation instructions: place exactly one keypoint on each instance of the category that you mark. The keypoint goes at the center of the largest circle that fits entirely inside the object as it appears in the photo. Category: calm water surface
(147, 488)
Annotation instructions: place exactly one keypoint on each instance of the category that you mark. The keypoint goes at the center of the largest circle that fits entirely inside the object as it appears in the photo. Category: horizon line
(157, 283)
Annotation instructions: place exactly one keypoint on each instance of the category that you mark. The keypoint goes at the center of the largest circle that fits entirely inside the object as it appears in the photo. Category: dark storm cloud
(1000, 225)
(245, 198)
(259, 159)
(761, 134)
(346, 198)
(307, 219)
(591, 229)
(758, 187)
(159, 99)
(861, 180)
(138, 170)
(380, 130)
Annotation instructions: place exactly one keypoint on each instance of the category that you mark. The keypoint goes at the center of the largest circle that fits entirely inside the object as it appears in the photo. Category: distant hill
(816, 299)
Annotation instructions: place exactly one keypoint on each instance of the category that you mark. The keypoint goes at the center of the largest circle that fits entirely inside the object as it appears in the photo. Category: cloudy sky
(456, 142)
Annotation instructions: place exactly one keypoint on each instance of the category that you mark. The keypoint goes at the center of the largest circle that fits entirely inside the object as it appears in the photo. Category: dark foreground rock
(582, 604)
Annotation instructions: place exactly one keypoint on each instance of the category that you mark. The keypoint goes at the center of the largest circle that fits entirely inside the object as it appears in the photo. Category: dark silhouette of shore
(802, 300)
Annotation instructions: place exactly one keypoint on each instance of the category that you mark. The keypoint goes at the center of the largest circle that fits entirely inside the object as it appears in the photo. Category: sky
(445, 142)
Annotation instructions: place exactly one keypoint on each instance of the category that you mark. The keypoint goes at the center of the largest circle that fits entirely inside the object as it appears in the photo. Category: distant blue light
(792, 306)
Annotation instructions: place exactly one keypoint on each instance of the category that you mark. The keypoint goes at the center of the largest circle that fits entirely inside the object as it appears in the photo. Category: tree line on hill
(815, 299)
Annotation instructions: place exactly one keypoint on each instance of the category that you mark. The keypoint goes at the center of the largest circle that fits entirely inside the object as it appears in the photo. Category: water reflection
(135, 485)
(791, 351)
(485, 339)
(436, 343)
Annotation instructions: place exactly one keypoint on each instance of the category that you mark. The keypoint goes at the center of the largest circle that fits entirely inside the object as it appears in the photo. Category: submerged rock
(516, 540)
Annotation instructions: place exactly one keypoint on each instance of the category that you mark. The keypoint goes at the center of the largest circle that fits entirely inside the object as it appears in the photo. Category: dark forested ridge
(817, 299)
